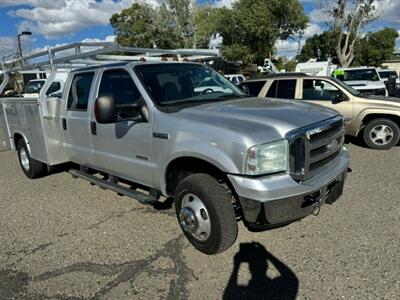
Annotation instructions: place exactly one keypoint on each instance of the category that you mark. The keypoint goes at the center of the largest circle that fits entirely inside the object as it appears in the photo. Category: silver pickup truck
(181, 130)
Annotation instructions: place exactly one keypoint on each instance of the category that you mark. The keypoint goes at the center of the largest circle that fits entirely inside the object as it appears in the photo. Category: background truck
(375, 119)
(141, 129)
(363, 79)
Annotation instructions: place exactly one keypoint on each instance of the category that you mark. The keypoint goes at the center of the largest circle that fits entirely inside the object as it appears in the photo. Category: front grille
(313, 147)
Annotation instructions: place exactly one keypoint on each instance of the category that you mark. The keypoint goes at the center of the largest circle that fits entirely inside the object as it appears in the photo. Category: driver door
(325, 93)
(123, 148)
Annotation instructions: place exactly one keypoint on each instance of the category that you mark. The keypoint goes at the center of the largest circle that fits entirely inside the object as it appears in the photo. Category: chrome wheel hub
(381, 135)
(194, 217)
(24, 159)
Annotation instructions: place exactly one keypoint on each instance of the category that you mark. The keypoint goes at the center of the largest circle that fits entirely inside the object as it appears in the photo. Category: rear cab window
(78, 96)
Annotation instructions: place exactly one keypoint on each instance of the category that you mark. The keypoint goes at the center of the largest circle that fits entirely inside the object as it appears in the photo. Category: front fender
(361, 116)
(208, 152)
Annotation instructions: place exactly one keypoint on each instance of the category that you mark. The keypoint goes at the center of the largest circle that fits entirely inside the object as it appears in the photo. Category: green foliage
(250, 29)
(320, 45)
(290, 66)
(371, 50)
(238, 52)
(258, 24)
(376, 47)
(168, 26)
(205, 24)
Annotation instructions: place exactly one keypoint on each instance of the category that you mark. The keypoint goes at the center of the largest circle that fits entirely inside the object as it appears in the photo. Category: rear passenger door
(282, 89)
(123, 148)
(75, 122)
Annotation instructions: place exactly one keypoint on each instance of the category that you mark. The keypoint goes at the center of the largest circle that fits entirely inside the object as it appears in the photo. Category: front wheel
(205, 213)
(381, 134)
(31, 167)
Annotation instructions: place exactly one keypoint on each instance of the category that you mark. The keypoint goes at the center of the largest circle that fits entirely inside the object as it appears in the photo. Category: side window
(78, 96)
(119, 84)
(54, 87)
(319, 90)
(286, 89)
(235, 80)
(272, 89)
(253, 88)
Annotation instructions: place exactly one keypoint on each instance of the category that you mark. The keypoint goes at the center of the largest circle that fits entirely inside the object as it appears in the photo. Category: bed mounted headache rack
(83, 54)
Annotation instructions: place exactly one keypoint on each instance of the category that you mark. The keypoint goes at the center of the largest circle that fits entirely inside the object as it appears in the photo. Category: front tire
(381, 134)
(31, 167)
(205, 213)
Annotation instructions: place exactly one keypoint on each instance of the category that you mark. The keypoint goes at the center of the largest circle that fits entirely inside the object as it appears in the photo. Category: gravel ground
(61, 238)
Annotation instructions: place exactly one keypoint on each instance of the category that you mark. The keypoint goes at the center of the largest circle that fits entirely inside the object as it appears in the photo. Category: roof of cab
(125, 63)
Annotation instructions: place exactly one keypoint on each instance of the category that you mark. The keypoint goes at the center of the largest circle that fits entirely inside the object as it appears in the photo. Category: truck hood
(263, 119)
(365, 84)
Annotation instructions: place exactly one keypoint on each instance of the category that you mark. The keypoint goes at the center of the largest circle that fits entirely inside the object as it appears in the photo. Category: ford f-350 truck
(142, 130)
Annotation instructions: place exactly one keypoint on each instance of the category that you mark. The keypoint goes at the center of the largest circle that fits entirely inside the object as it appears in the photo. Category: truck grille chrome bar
(315, 146)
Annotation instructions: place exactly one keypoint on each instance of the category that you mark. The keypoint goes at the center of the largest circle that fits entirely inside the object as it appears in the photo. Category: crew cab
(142, 130)
(375, 119)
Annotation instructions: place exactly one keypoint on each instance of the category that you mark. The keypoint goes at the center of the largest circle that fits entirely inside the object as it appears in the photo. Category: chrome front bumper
(270, 201)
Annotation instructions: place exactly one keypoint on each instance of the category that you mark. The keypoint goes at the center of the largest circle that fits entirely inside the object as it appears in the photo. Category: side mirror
(340, 97)
(245, 89)
(105, 110)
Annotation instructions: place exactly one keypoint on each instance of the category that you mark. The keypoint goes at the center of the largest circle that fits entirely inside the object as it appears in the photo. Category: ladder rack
(77, 55)
(92, 53)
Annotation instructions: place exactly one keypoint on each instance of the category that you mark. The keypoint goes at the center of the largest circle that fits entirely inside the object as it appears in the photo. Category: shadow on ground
(284, 287)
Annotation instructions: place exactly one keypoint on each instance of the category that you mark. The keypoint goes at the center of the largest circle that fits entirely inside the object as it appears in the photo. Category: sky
(55, 22)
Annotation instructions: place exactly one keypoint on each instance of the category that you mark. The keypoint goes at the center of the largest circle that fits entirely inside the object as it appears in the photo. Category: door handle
(93, 128)
(64, 124)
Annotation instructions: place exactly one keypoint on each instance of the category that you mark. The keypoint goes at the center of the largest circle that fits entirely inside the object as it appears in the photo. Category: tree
(376, 47)
(169, 25)
(205, 24)
(238, 52)
(134, 26)
(258, 24)
(349, 17)
(319, 46)
(182, 13)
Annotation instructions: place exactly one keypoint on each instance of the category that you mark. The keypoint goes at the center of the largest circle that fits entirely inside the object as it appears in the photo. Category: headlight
(267, 158)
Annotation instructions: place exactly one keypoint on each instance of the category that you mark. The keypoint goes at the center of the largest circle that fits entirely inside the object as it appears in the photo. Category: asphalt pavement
(62, 238)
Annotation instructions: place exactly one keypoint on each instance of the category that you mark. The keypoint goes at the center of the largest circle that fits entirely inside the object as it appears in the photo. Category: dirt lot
(61, 238)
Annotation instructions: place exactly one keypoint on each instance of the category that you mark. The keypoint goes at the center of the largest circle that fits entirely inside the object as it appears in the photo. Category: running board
(112, 184)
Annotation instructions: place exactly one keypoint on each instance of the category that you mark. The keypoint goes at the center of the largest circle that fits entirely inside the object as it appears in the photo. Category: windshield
(386, 74)
(33, 87)
(361, 74)
(347, 87)
(184, 83)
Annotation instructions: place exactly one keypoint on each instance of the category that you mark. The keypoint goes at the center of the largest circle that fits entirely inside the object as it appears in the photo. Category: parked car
(376, 119)
(253, 87)
(235, 78)
(143, 130)
(33, 88)
(363, 79)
